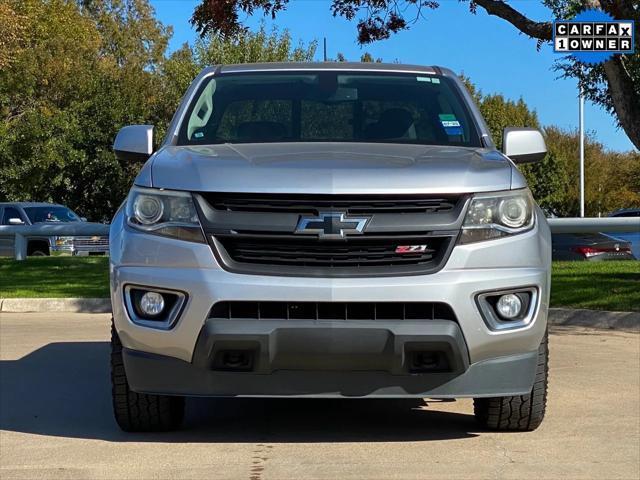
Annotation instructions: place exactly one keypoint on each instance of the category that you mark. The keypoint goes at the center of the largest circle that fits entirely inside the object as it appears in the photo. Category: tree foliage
(12, 30)
(611, 178)
(615, 85)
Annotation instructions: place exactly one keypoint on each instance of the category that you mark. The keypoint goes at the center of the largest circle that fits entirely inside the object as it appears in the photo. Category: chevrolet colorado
(329, 230)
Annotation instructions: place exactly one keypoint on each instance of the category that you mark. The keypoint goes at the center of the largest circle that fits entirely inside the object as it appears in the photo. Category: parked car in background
(589, 246)
(631, 237)
(30, 213)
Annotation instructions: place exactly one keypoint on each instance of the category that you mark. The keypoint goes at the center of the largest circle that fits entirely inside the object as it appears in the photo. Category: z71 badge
(411, 249)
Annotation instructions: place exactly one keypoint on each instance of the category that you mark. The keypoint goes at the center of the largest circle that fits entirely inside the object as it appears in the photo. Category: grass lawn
(596, 285)
(54, 277)
(592, 285)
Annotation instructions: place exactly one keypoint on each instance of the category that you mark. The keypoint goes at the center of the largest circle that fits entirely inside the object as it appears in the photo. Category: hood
(332, 168)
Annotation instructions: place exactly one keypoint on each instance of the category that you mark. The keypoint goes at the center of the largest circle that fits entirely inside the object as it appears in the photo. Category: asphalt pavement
(56, 421)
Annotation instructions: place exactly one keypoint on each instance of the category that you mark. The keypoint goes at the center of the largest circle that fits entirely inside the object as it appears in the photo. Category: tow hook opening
(428, 361)
(234, 360)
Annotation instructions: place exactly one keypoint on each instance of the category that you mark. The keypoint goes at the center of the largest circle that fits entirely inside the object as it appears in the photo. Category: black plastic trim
(162, 322)
(323, 311)
(418, 227)
(221, 221)
(485, 302)
(126, 156)
(158, 374)
(331, 272)
(528, 158)
(360, 345)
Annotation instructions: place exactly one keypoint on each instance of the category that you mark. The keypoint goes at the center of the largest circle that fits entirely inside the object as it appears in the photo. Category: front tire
(522, 413)
(140, 412)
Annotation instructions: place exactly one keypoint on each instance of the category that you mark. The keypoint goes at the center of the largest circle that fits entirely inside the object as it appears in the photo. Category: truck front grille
(97, 243)
(353, 204)
(288, 250)
(332, 311)
(258, 233)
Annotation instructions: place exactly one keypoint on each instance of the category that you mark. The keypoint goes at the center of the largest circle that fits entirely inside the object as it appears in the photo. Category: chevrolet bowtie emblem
(331, 225)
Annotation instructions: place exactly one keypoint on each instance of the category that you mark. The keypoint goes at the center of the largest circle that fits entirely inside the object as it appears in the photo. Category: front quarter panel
(144, 178)
(517, 178)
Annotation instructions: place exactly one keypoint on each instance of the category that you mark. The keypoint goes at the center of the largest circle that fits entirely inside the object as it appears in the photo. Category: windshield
(328, 107)
(51, 214)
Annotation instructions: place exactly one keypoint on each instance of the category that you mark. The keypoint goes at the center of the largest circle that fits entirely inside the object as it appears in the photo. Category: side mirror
(134, 143)
(523, 145)
(15, 221)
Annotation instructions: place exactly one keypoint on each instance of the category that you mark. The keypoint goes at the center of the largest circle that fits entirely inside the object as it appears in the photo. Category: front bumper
(344, 358)
(159, 374)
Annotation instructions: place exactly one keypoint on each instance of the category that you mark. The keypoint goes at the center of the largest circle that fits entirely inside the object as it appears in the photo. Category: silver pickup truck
(329, 230)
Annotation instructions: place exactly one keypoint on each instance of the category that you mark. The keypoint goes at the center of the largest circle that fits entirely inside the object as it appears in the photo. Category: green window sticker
(449, 120)
(450, 124)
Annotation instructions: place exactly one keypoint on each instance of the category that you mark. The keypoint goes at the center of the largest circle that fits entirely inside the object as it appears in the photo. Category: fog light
(509, 306)
(152, 304)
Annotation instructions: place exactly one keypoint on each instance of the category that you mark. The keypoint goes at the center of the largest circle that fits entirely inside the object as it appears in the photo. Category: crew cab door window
(10, 212)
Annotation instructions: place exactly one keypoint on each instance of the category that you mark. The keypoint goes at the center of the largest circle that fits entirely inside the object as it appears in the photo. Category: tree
(84, 71)
(74, 73)
(248, 47)
(611, 181)
(12, 29)
(130, 33)
(614, 85)
(366, 57)
(260, 46)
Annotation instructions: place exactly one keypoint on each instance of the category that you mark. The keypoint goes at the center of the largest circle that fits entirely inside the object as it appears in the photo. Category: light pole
(581, 133)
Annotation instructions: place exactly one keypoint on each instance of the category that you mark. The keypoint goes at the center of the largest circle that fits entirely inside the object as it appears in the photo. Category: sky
(488, 50)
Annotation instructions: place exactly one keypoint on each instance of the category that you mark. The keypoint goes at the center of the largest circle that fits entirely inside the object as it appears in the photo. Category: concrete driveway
(55, 420)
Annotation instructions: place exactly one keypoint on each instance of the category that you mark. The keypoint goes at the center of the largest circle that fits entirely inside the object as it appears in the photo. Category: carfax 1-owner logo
(593, 36)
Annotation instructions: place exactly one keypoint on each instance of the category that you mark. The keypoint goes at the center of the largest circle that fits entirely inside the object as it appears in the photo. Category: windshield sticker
(436, 80)
(423, 79)
(448, 120)
(450, 124)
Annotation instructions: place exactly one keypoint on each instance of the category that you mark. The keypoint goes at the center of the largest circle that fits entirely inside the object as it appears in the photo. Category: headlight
(148, 209)
(63, 241)
(498, 214)
(164, 212)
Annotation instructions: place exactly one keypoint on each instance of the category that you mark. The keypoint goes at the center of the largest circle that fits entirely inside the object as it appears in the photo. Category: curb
(73, 305)
(595, 319)
(557, 316)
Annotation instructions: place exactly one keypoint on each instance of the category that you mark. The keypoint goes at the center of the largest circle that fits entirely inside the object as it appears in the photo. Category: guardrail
(20, 234)
(595, 224)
